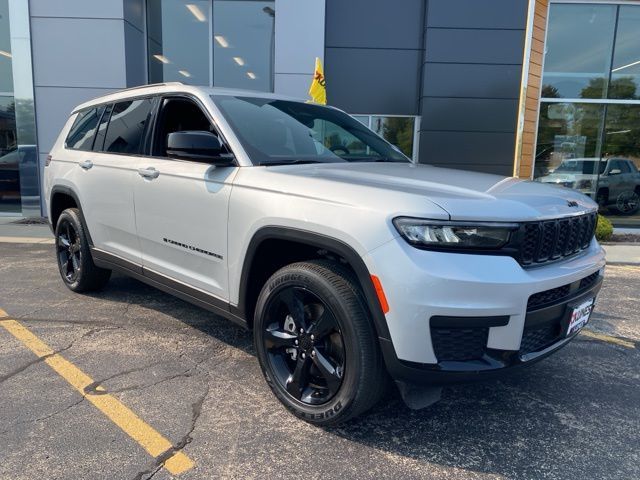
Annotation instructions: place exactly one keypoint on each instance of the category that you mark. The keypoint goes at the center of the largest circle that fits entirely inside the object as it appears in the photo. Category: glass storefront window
(593, 147)
(625, 74)
(174, 55)
(243, 44)
(19, 165)
(398, 131)
(235, 49)
(578, 50)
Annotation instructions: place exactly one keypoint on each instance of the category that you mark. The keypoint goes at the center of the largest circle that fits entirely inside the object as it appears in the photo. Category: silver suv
(351, 264)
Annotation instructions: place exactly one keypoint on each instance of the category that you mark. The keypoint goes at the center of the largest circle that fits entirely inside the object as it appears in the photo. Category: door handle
(148, 172)
(86, 165)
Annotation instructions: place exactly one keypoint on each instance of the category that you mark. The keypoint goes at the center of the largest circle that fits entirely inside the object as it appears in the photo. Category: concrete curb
(31, 240)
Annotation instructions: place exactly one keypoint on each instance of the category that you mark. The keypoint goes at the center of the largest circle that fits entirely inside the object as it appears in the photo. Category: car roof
(178, 87)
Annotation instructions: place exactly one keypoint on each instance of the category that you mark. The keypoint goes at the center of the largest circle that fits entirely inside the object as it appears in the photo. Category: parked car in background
(613, 182)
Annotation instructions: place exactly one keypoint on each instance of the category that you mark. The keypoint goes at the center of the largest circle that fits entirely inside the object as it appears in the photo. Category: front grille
(587, 282)
(539, 337)
(548, 296)
(555, 294)
(459, 344)
(555, 239)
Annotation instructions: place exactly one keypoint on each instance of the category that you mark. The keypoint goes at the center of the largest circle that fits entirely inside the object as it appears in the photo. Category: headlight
(454, 235)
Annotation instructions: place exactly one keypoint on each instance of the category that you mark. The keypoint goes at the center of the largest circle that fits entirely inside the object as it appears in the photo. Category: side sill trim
(168, 285)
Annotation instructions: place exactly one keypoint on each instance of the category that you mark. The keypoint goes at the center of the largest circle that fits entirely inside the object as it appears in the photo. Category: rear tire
(73, 254)
(335, 376)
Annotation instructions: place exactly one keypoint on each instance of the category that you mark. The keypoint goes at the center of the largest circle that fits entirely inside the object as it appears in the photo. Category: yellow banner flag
(318, 90)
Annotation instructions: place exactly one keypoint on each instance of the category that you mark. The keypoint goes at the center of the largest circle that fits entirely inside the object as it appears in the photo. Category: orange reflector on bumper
(380, 292)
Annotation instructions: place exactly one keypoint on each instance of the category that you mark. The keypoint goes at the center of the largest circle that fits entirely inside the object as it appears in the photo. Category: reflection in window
(83, 130)
(594, 148)
(243, 44)
(235, 50)
(398, 131)
(625, 74)
(126, 126)
(178, 41)
(578, 50)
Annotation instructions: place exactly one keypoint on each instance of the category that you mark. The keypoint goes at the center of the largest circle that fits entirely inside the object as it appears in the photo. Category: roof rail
(150, 85)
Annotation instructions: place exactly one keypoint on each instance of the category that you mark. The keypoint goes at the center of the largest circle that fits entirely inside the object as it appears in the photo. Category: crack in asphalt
(37, 360)
(196, 411)
(46, 417)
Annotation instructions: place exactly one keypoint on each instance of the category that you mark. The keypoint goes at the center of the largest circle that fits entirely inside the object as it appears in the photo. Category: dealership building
(548, 90)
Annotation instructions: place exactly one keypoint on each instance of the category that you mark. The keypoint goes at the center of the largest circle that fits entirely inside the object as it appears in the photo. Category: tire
(628, 203)
(73, 255)
(345, 374)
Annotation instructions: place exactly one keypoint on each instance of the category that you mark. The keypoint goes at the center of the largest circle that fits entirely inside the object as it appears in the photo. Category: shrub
(604, 230)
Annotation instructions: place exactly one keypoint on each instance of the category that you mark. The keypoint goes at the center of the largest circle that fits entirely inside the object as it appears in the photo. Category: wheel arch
(61, 198)
(285, 237)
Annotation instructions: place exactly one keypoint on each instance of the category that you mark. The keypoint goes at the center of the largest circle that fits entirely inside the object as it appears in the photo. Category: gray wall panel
(299, 34)
(468, 148)
(504, 170)
(53, 105)
(374, 23)
(471, 80)
(469, 114)
(293, 84)
(73, 52)
(477, 13)
(135, 61)
(474, 46)
(134, 13)
(76, 8)
(373, 80)
(471, 83)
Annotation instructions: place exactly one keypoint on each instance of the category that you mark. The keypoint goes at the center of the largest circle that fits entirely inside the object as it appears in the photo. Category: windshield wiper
(292, 162)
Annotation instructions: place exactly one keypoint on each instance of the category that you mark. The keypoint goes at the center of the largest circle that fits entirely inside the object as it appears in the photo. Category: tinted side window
(128, 120)
(81, 135)
(101, 131)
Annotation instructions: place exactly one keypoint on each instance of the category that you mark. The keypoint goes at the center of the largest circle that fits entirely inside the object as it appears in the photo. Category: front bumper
(458, 317)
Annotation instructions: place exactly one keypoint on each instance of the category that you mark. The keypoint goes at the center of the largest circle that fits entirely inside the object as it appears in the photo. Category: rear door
(181, 206)
(109, 172)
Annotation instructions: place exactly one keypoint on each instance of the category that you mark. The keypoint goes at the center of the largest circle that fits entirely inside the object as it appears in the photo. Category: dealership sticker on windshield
(580, 316)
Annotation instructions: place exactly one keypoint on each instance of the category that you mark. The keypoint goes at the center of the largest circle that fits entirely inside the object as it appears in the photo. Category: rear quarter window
(127, 125)
(83, 130)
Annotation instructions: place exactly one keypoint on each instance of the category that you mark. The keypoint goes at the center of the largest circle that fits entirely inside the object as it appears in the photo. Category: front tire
(73, 254)
(316, 344)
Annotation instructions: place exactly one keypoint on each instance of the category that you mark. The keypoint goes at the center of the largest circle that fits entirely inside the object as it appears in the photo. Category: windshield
(586, 167)
(281, 132)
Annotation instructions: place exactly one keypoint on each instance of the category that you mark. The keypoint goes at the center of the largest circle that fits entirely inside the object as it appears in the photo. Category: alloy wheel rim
(628, 202)
(69, 252)
(304, 346)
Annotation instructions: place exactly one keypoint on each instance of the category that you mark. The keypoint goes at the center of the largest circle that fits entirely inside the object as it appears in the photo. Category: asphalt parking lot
(193, 380)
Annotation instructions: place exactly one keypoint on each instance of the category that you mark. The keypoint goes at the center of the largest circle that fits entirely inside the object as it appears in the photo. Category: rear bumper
(552, 317)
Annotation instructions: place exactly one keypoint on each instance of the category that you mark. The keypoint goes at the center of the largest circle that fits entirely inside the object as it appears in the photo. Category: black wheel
(628, 202)
(75, 263)
(316, 345)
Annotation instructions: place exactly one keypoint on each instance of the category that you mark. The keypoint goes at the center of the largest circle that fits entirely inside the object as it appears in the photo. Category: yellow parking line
(152, 441)
(607, 338)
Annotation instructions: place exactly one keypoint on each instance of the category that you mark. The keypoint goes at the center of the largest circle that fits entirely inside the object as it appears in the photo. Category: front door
(181, 207)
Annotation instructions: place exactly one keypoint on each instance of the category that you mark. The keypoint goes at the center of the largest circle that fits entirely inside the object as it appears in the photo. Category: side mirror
(615, 171)
(197, 145)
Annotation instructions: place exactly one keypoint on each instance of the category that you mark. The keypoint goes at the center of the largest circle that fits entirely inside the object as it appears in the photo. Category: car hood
(407, 189)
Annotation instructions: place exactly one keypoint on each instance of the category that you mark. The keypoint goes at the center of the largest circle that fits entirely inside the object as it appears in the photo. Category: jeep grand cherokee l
(350, 263)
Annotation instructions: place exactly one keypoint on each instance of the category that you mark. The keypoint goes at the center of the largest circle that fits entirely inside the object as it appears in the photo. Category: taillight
(47, 161)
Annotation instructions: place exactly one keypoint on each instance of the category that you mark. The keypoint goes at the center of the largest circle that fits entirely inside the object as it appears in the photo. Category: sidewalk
(11, 232)
(622, 254)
